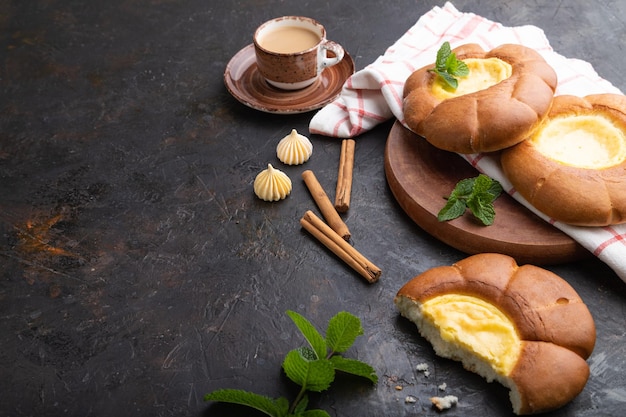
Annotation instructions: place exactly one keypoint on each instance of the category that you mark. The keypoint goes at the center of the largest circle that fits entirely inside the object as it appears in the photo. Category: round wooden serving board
(421, 176)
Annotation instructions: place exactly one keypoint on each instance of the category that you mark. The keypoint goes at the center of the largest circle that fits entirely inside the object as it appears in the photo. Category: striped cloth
(374, 95)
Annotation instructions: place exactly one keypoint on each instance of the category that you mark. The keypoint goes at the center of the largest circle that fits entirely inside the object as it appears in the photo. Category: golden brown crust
(551, 319)
(546, 308)
(487, 120)
(573, 195)
(548, 376)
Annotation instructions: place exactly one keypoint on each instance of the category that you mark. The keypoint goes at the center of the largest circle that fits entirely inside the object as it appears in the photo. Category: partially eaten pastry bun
(507, 93)
(573, 167)
(522, 326)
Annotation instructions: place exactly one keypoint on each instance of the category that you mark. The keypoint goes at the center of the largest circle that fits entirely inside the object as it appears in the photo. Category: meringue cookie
(272, 184)
(294, 149)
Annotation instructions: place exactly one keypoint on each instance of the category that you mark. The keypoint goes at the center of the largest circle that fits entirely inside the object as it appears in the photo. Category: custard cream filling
(483, 73)
(477, 326)
(585, 141)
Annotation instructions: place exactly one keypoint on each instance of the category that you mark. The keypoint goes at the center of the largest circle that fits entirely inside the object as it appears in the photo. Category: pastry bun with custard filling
(573, 167)
(506, 94)
(522, 326)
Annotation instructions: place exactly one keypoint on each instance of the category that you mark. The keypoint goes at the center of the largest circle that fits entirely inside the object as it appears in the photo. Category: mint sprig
(448, 67)
(476, 194)
(312, 367)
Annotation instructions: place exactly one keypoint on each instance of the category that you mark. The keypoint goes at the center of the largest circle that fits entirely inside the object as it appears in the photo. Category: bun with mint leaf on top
(471, 100)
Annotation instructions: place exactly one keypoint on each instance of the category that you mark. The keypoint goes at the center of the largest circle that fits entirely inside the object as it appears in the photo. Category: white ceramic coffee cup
(292, 51)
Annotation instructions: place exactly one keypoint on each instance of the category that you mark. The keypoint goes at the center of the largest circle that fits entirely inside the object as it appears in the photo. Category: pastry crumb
(443, 403)
(423, 368)
(409, 399)
(443, 386)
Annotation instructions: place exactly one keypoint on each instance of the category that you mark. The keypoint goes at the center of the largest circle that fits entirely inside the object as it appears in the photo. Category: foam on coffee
(288, 39)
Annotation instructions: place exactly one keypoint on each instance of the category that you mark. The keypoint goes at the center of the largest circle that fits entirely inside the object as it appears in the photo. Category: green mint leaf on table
(307, 353)
(448, 67)
(476, 194)
(354, 367)
(264, 404)
(311, 374)
(309, 332)
(312, 367)
(301, 406)
(301, 411)
(342, 331)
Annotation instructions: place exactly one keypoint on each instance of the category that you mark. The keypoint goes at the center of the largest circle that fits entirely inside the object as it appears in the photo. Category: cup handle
(326, 61)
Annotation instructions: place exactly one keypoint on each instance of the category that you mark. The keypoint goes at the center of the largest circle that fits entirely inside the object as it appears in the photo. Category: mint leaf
(312, 375)
(495, 189)
(482, 209)
(354, 367)
(442, 56)
(342, 330)
(482, 184)
(451, 63)
(456, 67)
(309, 332)
(477, 194)
(312, 367)
(453, 209)
(301, 406)
(449, 79)
(448, 67)
(463, 188)
(308, 353)
(301, 411)
(269, 406)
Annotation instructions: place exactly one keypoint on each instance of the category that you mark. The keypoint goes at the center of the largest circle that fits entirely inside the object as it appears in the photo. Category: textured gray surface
(139, 271)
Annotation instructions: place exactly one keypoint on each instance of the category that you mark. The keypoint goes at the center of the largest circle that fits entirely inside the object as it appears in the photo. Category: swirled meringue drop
(272, 184)
(294, 149)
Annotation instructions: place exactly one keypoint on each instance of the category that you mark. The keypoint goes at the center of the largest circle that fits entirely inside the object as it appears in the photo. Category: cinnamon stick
(329, 238)
(324, 204)
(344, 175)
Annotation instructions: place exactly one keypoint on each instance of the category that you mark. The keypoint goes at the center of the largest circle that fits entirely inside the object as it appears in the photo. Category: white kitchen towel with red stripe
(374, 95)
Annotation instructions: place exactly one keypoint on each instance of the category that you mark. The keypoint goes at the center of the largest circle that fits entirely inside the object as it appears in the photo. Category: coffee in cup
(292, 51)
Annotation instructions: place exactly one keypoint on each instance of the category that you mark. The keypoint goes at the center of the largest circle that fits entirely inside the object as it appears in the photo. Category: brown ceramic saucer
(420, 176)
(246, 84)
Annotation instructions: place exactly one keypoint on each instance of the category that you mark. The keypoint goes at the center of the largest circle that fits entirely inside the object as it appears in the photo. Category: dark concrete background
(140, 272)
